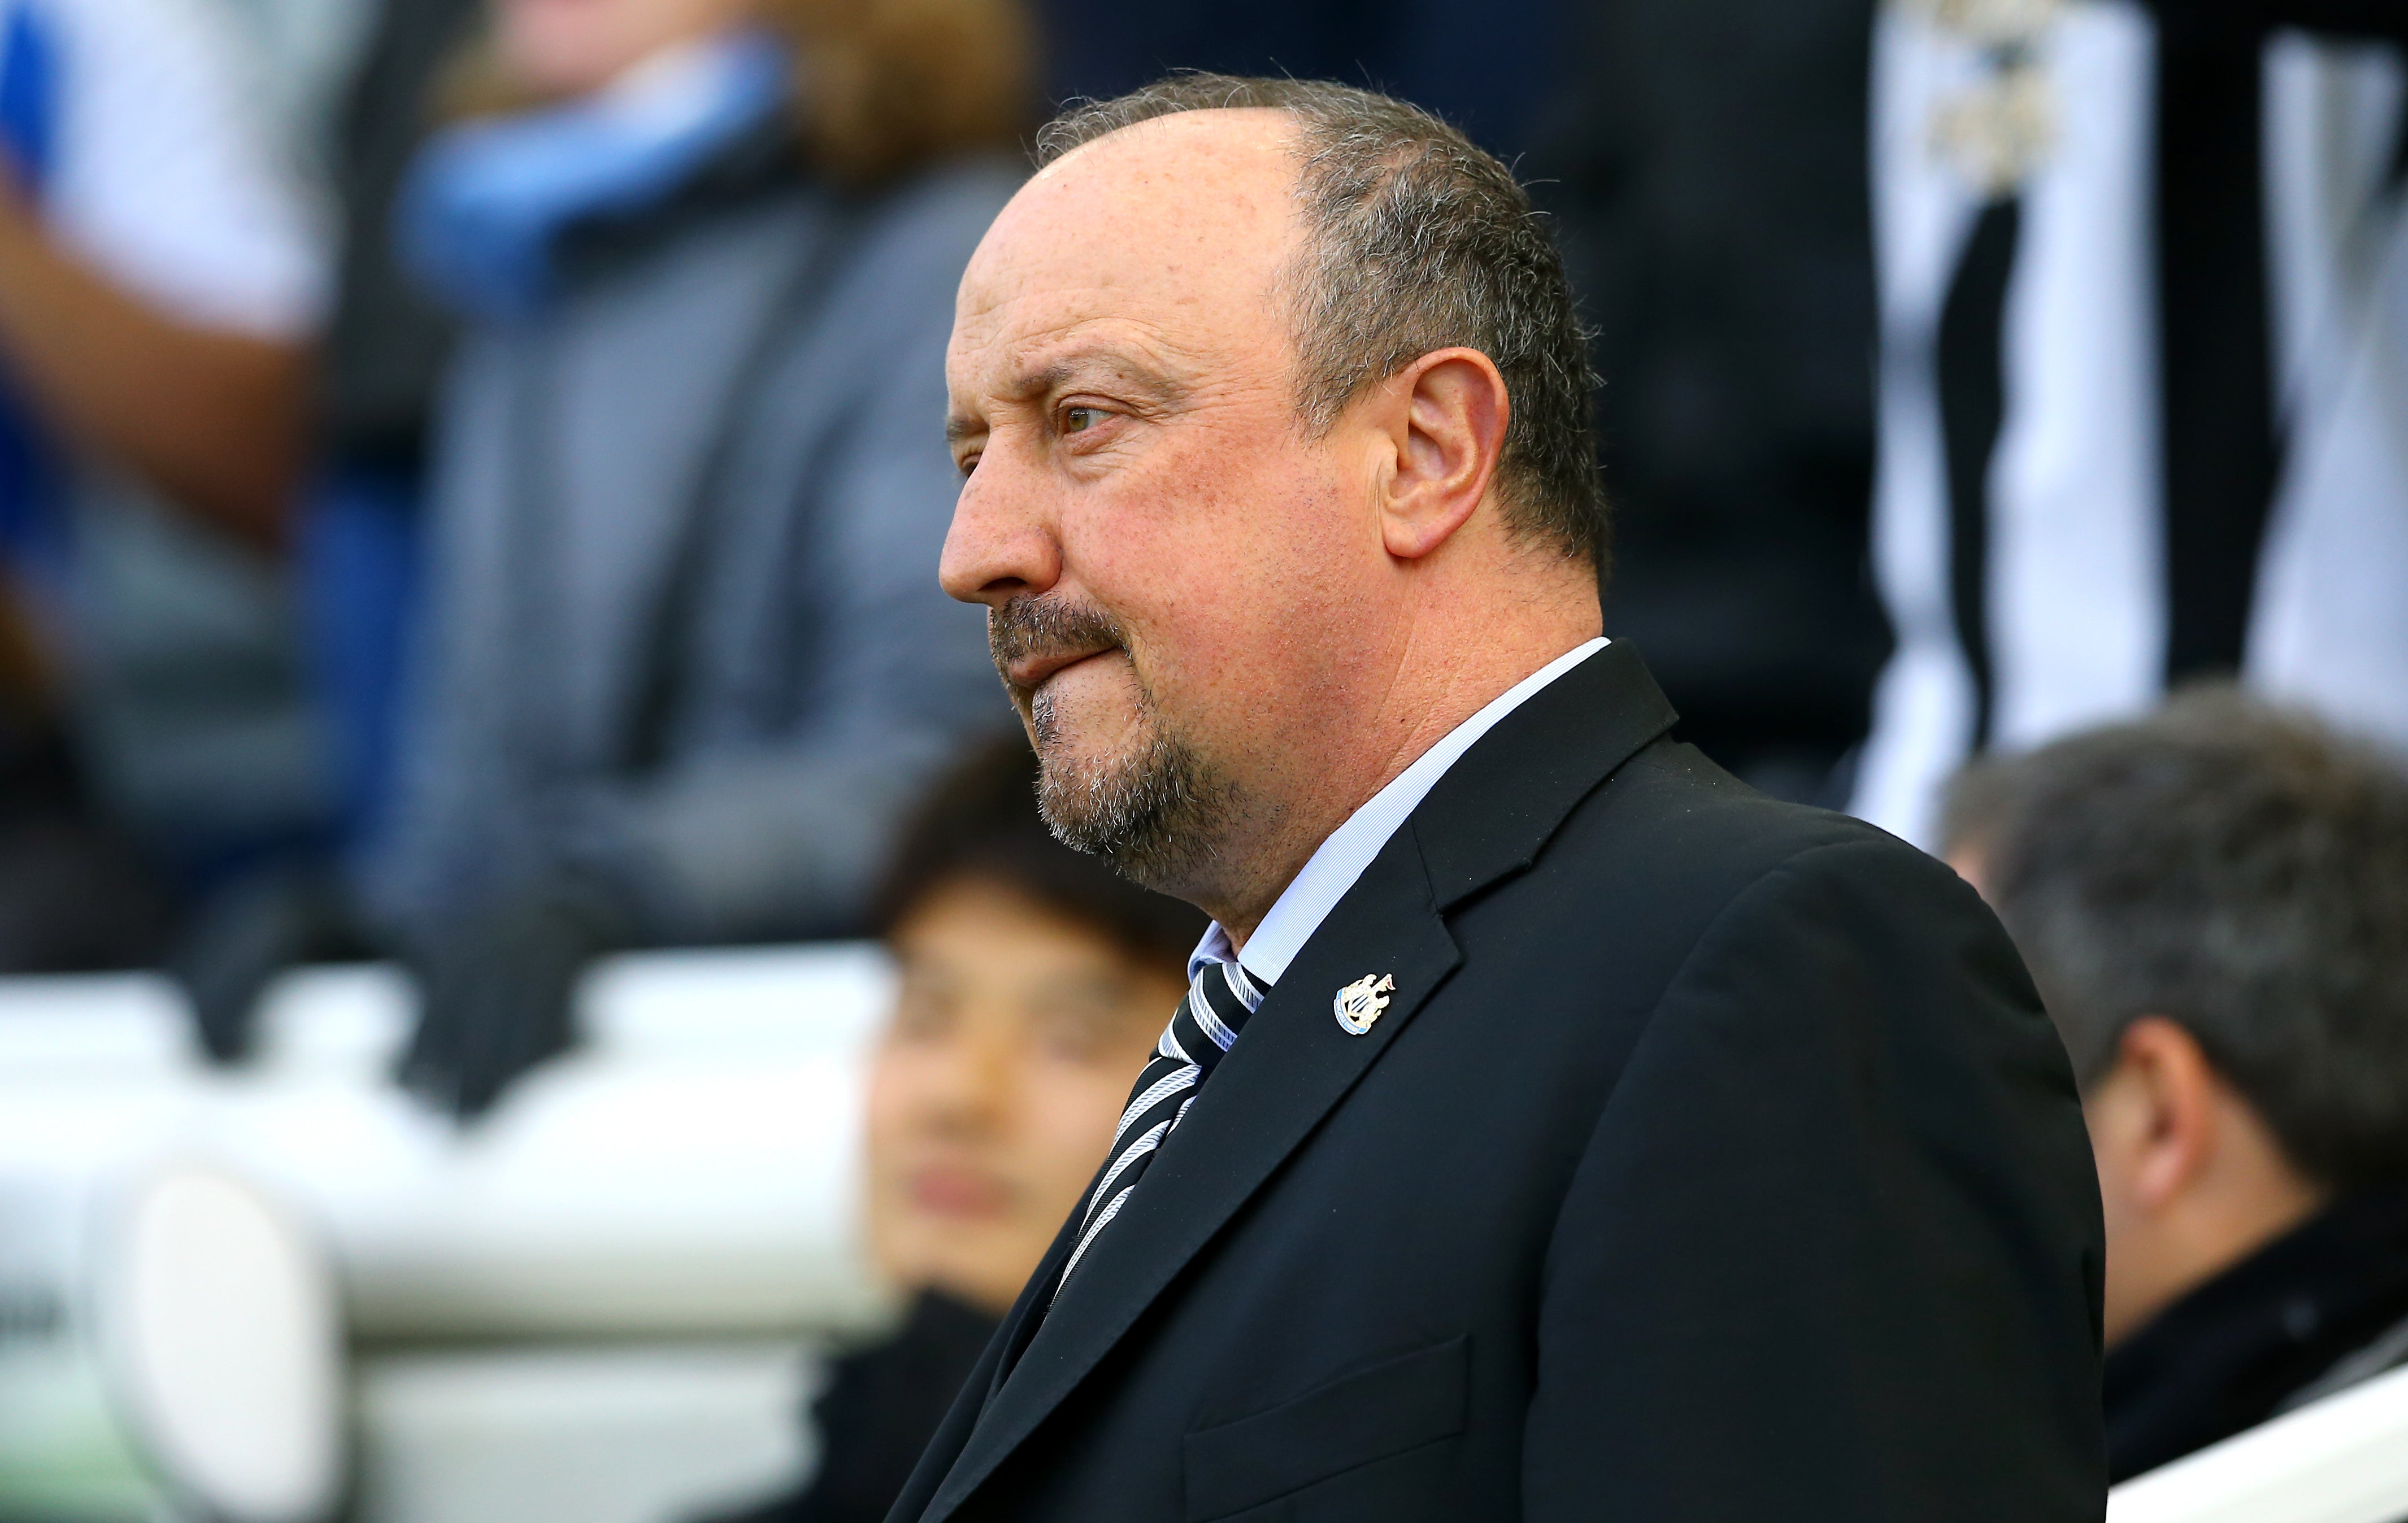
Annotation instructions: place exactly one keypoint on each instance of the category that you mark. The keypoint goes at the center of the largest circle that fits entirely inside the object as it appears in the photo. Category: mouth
(1034, 639)
(1028, 673)
(954, 1191)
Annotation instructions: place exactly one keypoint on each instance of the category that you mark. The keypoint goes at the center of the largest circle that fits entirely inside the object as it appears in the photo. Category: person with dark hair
(2214, 902)
(680, 665)
(1033, 979)
(1552, 1125)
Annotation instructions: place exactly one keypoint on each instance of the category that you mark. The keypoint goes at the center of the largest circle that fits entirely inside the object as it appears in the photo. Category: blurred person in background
(1704, 167)
(74, 893)
(1033, 984)
(2214, 901)
(387, 339)
(386, 345)
(159, 278)
(356, 540)
(2143, 367)
(682, 661)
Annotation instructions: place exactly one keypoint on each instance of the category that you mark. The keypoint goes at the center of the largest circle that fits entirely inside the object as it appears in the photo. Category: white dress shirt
(1307, 901)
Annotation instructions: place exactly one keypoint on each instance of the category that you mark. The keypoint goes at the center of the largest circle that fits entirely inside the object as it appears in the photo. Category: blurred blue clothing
(29, 92)
(481, 213)
(32, 517)
(360, 552)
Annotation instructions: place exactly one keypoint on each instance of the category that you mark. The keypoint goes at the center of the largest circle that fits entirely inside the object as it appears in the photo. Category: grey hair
(1417, 240)
(2238, 869)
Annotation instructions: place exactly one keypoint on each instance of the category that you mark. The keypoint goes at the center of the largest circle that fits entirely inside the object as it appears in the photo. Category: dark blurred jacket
(683, 638)
(2312, 1312)
(1484, 78)
(880, 1405)
(1705, 164)
(387, 342)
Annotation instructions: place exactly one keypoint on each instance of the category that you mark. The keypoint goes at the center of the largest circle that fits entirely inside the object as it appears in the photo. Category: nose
(1001, 544)
(970, 1089)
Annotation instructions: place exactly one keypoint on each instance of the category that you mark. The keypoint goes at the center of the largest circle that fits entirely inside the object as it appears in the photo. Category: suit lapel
(1489, 816)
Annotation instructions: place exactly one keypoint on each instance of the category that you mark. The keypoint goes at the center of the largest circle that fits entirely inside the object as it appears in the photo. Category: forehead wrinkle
(1115, 349)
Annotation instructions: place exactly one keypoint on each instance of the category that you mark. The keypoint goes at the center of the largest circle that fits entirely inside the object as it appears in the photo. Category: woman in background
(1035, 982)
(682, 660)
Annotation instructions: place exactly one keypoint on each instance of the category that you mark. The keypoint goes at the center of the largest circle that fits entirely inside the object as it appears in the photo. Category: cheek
(1231, 579)
(1070, 1123)
(890, 1109)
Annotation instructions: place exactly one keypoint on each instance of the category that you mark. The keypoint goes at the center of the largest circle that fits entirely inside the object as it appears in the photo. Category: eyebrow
(1036, 382)
(1055, 374)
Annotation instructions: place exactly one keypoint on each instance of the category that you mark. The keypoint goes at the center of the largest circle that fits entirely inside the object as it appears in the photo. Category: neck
(1438, 676)
(2248, 1195)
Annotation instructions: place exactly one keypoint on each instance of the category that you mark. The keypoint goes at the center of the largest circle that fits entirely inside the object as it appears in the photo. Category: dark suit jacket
(1714, 1161)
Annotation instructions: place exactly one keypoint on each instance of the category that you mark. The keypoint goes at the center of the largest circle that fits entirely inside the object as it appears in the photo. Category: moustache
(1032, 627)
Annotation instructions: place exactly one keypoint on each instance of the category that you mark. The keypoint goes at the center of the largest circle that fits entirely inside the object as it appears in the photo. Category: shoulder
(1699, 836)
(1671, 876)
(1824, 946)
(954, 200)
(898, 247)
(918, 232)
(893, 253)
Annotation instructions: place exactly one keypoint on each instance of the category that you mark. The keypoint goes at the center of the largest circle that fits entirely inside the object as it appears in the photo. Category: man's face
(1165, 558)
(1016, 1036)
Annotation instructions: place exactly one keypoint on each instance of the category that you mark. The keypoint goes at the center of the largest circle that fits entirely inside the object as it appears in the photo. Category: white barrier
(690, 1169)
(166, 1325)
(2344, 1460)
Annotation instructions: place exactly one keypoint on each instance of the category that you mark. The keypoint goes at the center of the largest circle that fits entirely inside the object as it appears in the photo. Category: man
(1552, 1125)
(2215, 899)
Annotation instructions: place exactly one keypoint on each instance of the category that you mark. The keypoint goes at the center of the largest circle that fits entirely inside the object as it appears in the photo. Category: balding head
(1222, 511)
(1170, 240)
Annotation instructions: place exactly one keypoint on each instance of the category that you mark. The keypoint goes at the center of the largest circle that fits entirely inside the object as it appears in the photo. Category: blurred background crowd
(471, 480)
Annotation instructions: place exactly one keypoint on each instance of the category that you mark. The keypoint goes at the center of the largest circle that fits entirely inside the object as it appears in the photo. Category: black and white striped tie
(1219, 999)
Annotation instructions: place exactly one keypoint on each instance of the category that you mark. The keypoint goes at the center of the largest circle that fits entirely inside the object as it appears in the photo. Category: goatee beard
(1158, 812)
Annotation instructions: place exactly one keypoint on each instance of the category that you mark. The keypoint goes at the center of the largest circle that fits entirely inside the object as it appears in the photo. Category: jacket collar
(1488, 817)
(1497, 806)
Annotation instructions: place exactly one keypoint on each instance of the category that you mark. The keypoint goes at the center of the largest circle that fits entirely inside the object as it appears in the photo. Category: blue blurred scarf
(485, 202)
(33, 518)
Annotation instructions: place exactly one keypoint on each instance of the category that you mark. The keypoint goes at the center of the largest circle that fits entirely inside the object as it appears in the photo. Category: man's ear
(2162, 1119)
(1447, 422)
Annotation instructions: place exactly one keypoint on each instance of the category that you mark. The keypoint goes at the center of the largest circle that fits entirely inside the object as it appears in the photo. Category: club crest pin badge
(1360, 1003)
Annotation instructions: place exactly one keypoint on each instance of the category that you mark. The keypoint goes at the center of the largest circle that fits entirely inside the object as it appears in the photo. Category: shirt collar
(1340, 860)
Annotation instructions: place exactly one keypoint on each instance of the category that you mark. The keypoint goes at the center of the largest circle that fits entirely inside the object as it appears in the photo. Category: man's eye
(1079, 420)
